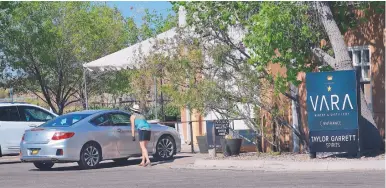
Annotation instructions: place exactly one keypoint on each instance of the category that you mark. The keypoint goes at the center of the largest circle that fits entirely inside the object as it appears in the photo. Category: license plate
(34, 152)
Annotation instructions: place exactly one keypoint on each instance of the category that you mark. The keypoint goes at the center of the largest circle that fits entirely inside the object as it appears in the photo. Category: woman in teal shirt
(144, 133)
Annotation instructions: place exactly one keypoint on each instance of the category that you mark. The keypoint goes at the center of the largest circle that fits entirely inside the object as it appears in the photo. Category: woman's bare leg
(146, 154)
(143, 156)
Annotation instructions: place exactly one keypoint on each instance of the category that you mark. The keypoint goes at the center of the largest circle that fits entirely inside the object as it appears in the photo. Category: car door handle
(119, 130)
(32, 125)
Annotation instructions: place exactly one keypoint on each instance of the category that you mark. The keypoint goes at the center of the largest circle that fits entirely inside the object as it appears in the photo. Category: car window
(29, 113)
(120, 119)
(9, 113)
(101, 120)
(65, 120)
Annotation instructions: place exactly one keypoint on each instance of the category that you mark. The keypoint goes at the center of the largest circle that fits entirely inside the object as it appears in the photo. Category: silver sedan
(88, 137)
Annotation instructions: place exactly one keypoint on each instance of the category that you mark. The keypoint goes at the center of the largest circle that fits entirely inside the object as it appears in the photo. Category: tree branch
(73, 101)
(37, 95)
(323, 57)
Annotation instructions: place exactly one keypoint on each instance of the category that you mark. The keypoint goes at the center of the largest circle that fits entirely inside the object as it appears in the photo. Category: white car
(15, 119)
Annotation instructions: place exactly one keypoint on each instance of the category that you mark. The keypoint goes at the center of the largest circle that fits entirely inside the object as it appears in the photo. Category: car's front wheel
(44, 165)
(165, 148)
(90, 156)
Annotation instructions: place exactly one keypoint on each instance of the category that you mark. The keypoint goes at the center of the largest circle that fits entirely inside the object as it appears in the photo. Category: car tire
(90, 156)
(44, 165)
(165, 148)
(120, 160)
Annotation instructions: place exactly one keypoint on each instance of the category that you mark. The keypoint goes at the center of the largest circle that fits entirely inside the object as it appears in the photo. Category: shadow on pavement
(108, 164)
(354, 155)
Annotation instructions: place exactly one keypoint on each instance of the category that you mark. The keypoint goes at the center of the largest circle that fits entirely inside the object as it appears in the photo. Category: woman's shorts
(144, 135)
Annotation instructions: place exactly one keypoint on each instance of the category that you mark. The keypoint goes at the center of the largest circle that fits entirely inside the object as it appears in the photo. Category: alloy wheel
(91, 156)
(165, 148)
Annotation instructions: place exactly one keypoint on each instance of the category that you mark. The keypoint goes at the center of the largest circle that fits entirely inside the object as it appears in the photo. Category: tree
(223, 24)
(342, 61)
(142, 81)
(47, 42)
(285, 33)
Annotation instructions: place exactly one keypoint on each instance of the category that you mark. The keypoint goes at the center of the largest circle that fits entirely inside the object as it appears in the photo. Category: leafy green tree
(285, 33)
(153, 23)
(142, 81)
(47, 42)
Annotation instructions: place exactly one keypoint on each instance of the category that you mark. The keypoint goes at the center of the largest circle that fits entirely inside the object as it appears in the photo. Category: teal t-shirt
(141, 123)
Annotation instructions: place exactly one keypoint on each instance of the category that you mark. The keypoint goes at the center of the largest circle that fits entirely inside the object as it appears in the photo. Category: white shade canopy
(133, 56)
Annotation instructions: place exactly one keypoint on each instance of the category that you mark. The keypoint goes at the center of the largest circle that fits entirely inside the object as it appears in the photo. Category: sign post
(332, 107)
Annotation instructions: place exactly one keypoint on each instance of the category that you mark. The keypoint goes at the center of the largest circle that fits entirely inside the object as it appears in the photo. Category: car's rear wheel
(44, 165)
(165, 148)
(120, 160)
(90, 156)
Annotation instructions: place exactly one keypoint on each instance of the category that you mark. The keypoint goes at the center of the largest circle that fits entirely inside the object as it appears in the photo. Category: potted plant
(202, 143)
(231, 145)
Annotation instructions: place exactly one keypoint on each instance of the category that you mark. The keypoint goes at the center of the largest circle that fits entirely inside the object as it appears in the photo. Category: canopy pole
(85, 87)
(155, 97)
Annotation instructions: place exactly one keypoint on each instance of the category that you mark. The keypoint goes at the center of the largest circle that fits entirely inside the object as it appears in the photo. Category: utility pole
(162, 103)
(85, 87)
(155, 97)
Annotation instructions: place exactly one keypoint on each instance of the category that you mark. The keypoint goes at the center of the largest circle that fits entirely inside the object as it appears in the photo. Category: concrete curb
(9, 159)
(265, 165)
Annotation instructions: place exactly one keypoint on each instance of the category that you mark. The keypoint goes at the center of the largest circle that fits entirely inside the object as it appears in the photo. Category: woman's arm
(132, 118)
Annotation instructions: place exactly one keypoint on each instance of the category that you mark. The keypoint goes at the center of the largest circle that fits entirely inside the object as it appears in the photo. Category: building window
(360, 56)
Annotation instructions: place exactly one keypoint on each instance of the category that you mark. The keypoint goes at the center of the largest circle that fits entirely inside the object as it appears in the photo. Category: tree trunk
(342, 58)
(295, 120)
(370, 138)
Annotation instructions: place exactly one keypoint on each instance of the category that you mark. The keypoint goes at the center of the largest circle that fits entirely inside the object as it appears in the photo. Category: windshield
(65, 120)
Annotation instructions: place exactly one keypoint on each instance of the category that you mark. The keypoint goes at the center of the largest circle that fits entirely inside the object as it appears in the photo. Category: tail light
(22, 138)
(62, 135)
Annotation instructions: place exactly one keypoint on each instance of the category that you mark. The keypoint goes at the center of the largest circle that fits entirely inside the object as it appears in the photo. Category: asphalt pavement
(129, 175)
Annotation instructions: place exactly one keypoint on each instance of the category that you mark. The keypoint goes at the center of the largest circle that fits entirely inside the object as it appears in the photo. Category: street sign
(221, 127)
(332, 109)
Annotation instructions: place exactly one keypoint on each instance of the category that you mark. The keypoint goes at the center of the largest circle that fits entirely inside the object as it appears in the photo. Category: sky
(136, 9)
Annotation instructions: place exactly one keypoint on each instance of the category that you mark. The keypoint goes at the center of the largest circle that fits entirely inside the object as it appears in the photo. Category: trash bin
(202, 144)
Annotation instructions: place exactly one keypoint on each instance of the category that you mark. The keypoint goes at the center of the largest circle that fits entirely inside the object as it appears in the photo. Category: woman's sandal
(141, 164)
(147, 164)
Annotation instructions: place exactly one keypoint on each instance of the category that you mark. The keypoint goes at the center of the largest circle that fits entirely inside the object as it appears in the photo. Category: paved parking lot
(129, 175)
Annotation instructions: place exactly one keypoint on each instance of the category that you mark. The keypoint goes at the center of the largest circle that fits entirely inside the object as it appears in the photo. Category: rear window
(65, 120)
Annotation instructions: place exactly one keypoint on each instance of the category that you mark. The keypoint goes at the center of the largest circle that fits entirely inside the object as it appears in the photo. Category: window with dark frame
(101, 120)
(361, 59)
(360, 56)
(33, 114)
(9, 113)
(120, 119)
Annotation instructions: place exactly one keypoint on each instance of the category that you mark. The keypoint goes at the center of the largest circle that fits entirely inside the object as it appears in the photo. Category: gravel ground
(294, 157)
